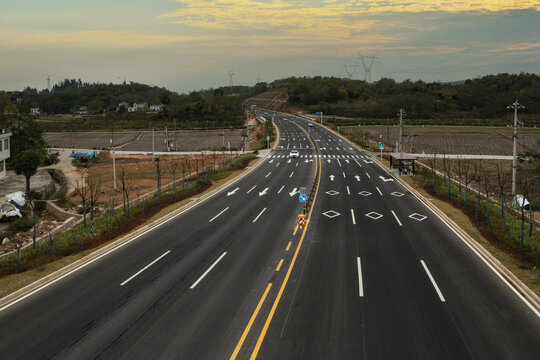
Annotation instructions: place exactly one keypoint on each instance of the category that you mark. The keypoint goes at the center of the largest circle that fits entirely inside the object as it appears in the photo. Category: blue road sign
(381, 146)
(302, 198)
(318, 113)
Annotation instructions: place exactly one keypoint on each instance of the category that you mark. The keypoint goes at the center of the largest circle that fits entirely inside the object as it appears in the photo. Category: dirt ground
(453, 139)
(142, 140)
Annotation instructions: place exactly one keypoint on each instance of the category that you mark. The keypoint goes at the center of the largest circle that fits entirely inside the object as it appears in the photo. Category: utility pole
(152, 144)
(113, 158)
(516, 105)
(401, 113)
(247, 130)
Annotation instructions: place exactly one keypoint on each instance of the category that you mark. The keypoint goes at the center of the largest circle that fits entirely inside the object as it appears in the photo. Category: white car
(294, 154)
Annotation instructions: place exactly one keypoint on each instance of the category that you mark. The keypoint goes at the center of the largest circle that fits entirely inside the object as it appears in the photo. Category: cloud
(95, 39)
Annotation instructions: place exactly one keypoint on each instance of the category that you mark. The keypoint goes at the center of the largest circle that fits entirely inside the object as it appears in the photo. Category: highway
(375, 275)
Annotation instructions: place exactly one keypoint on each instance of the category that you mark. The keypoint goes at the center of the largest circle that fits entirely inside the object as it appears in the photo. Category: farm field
(142, 140)
(452, 139)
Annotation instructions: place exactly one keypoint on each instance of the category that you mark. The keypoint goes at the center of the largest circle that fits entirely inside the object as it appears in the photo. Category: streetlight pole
(515, 106)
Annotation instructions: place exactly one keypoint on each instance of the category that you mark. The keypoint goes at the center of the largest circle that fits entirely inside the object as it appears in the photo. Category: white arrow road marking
(263, 192)
(347, 161)
(289, 161)
(251, 189)
(207, 271)
(293, 192)
(271, 161)
(232, 192)
(368, 162)
(332, 177)
(385, 179)
(328, 160)
(222, 211)
(357, 177)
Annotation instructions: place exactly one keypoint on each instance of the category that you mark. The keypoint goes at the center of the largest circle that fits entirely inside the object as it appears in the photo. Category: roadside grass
(76, 242)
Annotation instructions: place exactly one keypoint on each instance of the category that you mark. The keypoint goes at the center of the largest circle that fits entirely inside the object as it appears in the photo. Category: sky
(186, 45)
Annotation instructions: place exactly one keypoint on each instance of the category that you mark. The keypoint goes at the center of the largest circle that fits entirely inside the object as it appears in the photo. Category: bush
(21, 225)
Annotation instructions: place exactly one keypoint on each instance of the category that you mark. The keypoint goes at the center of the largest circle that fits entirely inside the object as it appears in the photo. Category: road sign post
(381, 146)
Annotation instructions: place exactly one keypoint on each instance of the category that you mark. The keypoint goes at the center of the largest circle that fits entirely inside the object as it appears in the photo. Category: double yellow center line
(283, 285)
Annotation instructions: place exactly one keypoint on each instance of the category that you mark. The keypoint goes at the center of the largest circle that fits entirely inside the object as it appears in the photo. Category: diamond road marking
(417, 217)
(397, 193)
(331, 214)
(364, 193)
(332, 192)
(374, 215)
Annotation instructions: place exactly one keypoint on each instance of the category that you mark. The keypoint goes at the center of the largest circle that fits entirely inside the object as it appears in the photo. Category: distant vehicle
(294, 154)
(310, 124)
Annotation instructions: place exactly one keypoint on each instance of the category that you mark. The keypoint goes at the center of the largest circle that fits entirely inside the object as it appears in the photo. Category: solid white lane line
(353, 218)
(281, 189)
(292, 172)
(263, 210)
(296, 164)
(277, 164)
(379, 190)
(144, 268)
(357, 162)
(339, 163)
(433, 281)
(212, 219)
(348, 190)
(267, 175)
(343, 174)
(399, 222)
(368, 175)
(360, 282)
(251, 189)
(207, 271)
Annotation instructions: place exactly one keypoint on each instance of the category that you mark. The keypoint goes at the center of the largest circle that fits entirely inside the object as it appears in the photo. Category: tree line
(480, 98)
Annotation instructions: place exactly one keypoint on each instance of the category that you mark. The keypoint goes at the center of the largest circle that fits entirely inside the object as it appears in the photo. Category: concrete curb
(513, 281)
(36, 286)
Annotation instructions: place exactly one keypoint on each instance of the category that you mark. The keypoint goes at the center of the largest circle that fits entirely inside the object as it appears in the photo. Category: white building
(4, 151)
(156, 108)
(137, 106)
(35, 111)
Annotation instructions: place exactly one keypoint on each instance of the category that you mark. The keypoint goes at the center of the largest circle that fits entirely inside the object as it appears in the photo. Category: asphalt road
(375, 275)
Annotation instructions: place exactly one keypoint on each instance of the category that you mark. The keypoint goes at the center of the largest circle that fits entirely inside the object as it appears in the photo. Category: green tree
(26, 163)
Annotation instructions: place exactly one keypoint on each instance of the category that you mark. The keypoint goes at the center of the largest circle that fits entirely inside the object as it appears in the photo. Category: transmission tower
(350, 70)
(231, 73)
(48, 83)
(367, 62)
